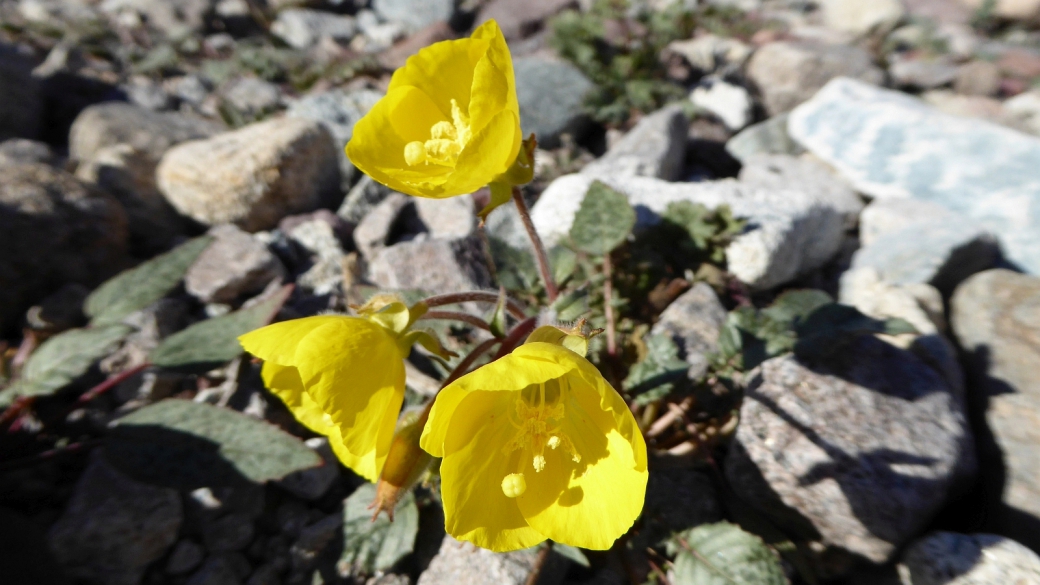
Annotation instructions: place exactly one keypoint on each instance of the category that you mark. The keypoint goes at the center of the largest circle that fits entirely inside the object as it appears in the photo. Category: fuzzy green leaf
(371, 546)
(186, 445)
(830, 327)
(657, 374)
(723, 554)
(603, 221)
(135, 289)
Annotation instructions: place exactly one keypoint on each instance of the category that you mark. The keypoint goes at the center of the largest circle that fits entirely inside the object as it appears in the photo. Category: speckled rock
(235, 264)
(948, 558)
(767, 137)
(114, 526)
(435, 265)
(461, 563)
(655, 147)
(252, 176)
(454, 217)
(338, 110)
(111, 123)
(694, 321)
(857, 450)
(782, 171)
(551, 93)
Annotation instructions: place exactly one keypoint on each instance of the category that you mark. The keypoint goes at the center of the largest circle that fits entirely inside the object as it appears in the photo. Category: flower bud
(405, 463)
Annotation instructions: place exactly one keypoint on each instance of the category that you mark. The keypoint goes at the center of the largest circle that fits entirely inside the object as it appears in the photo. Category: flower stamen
(447, 139)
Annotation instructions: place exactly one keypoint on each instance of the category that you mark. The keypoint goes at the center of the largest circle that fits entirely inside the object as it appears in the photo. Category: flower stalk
(544, 269)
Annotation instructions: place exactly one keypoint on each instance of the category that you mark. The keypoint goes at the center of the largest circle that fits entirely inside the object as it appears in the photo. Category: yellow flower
(343, 376)
(537, 445)
(449, 123)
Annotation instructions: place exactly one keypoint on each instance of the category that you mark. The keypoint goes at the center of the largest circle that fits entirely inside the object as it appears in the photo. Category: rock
(311, 484)
(939, 253)
(153, 133)
(795, 231)
(114, 526)
(396, 56)
(362, 198)
(768, 137)
(451, 218)
(521, 19)
(176, 18)
(922, 73)
(779, 171)
(59, 311)
(302, 28)
(389, 579)
(265, 575)
(694, 321)
(253, 97)
(378, 226)
(728, 102)
(977, 78)
(948, 558)
(313, 540)
(53, 230)
(228, 533)
(235, 265)
(678, 499)
(857, 450)
(252, 176)
(552, 98)
(318, 236)
(655, 147)
(376, 36)
(1026, 10)
(185, 556)
(460, 563)
(1024, 108)
(148, 94)
(338, 111)
(20, 96)
(415, 14)
(709, 53)
(218, 570)
(788, 73)
(984, 172)
(861, 18)
(996, 317)
(984, 108)
(23, 150)
(152, 324)
(433, 265)
(887, 216)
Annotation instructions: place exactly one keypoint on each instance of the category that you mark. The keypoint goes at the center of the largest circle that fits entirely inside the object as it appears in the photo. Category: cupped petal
(599, 390)
(486, 156)
(404, 115)
(444, 71)
(494, 84)
(284, 382)
(533, 363)
(475, 462)
(278, 342)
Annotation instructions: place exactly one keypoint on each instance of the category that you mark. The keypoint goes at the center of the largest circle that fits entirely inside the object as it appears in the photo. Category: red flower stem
(608, 307)
(110, 383)
(516, 336)
(457, 316)
(539, 248)
(16, 408)
(461, 369)
(514, 308)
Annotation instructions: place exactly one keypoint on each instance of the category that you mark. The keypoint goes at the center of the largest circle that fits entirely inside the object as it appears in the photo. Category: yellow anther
(514, 485)
(444, 129)
(539, 462)
(553, 442)
(414, 153)
(447, 139)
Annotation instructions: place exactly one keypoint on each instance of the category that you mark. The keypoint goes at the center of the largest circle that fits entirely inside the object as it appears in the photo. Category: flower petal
(486, 156)
(591, 502)
(475, 463)
(444, 71)
(284, 382)
(278, 342)
(494, 85)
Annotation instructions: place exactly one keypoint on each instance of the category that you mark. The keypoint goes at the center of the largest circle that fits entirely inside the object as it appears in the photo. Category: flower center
(447, 139)
(537, 420)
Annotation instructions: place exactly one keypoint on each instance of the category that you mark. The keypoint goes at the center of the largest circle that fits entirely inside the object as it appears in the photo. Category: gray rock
(788, 73)
(793, 231)
(778, 171)
(948, 558)
(151, 325)
(521, 19)
(318, 237)
(433, 265)
(264, 575)
(552, 94)
(217, 570)
(176, 18)
(185, 556)
(1024, 10)
(375, 230)
(768, 137)
(152, 133)
(59, 311)
(884, 143)
(389, 579)
(229, 533)
(728, 102)
(148, 94)
(996, 317)
(884, 217)
(678, 499)
(23, 150)
(460, 563)
(922, 73)
(205, 505)
(655, 147)
(234, 265)
(302, 28)
(362, 198)
(860, 448)
(53, 230)
(313, 540)
(252, 176)
(311, 484)
(939, 253)
(452, 218)
(253, 97)
(981, 78)
(415, 14)
(861, 18)
(114, 526)
(694, 321)
(20, 97)
(338, 111)
(710, 53)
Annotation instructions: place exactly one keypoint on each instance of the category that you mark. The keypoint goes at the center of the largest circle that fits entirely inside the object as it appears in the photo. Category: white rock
(792, 231)
(655, 147)
(450, 218)
(947, 558)
(861, 17)
(730, 103)
(302, 28)
(1028, 10)
(710, 52)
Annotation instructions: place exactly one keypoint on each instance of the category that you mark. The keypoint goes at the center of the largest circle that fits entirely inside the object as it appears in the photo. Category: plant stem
(457, 316)
(608, 306)
(111, 383)
(514, 308)
(539, 248)
(460, 370)
(519, 331)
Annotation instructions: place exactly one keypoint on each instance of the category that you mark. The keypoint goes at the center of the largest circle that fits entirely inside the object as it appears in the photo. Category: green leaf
(569, 552)
(63, 358)
(187, 445)
(603, 221)
(371, 546)
(212, 342)
(563, 261)
(571, 305)
(515, 268)
(723, 554)
(657, 374)
(830, 327)
(135, 289)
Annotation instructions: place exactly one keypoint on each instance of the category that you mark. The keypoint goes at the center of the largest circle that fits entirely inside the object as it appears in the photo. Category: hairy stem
(457, 316)
(539, 248)
(608, 307)
(461, 369)
(514, 308)
(516, 335)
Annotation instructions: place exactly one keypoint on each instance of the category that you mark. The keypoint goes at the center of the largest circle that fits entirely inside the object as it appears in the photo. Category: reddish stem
(516, 336)
(457, 316)
(539, 248)
(461, 369)
(608, 307)
(111, 383)
(512, 306)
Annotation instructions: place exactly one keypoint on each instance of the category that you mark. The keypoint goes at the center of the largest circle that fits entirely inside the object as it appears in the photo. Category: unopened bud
(405, 463)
